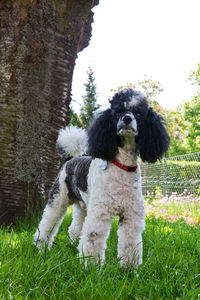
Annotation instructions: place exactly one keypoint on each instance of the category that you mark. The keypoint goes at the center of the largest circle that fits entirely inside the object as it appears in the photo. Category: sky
(134, 38)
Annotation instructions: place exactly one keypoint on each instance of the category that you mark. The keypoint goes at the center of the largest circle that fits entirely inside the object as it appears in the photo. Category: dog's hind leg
(53, 214)
(78, 219)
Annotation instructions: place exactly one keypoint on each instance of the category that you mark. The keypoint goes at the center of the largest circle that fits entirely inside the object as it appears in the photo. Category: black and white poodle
(107, 182)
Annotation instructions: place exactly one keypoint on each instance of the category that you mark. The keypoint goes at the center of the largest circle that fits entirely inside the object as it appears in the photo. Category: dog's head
(129, 114)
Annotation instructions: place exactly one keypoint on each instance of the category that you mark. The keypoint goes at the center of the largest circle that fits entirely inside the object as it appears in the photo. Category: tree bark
(39, 42)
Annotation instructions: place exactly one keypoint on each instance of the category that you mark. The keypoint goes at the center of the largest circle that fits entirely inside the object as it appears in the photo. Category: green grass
(171, 267)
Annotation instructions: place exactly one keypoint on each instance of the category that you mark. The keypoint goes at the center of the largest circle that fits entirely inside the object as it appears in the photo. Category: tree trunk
(39, 42)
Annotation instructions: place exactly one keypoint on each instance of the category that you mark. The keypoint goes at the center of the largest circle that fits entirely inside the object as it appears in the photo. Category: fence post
(164, 175)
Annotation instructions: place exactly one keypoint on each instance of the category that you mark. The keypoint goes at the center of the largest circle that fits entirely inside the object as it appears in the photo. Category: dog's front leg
(130, 246)
(95, 233)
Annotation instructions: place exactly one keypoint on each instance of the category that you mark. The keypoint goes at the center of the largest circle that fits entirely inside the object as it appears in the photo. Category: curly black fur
(126, 95)
(103, 141)
(152, 140)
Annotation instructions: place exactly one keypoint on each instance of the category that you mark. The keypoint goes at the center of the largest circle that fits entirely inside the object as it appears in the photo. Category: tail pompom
(71, 142)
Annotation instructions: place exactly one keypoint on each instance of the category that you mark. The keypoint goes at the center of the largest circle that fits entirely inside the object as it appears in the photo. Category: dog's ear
(103, 140)
(153, 139)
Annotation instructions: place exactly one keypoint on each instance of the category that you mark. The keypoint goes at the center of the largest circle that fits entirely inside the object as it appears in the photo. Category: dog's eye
(137, 115)
(117, 115)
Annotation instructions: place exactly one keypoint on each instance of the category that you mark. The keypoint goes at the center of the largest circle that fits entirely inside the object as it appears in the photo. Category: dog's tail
(71, 142)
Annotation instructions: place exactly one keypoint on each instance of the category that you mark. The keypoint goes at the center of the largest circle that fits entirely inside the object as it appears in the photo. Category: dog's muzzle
(127, 123)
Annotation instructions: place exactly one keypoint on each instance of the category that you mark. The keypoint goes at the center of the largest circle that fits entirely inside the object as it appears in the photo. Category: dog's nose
(127, 120)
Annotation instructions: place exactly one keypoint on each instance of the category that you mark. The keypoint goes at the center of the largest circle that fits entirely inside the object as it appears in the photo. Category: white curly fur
(77, 138)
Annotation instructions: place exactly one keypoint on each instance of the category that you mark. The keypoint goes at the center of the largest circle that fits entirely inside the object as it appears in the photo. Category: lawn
(171, 267)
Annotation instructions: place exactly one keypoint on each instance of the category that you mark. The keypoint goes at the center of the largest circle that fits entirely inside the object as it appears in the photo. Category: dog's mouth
(127, 131)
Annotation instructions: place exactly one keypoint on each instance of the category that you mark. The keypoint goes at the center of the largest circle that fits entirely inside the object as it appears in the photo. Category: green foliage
(169, 271)
(151, 89)
(74, 119)
(184, 122)
(177, 132)
(191, 113)
(90, 104)
(194, 77)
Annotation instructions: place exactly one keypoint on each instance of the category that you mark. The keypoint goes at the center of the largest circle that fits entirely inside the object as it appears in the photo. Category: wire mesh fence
(173, 174)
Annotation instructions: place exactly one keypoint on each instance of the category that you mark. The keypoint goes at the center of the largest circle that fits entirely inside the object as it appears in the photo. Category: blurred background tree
(175, 128)
(184, 122)
(191, 114)
(74, 118)
(89, 105)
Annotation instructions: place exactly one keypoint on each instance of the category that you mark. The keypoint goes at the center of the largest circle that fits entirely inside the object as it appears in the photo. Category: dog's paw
(38, 241)
(126, 261)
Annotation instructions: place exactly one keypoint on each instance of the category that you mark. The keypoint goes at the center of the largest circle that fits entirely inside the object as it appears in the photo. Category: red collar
(121, 166)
